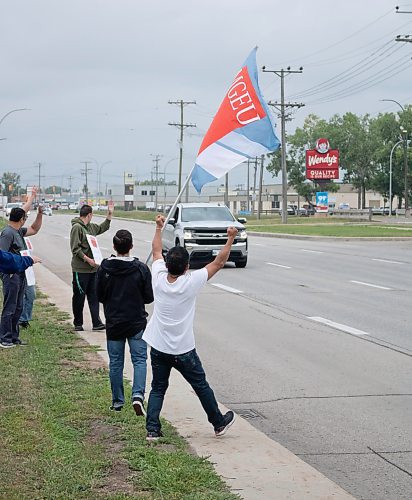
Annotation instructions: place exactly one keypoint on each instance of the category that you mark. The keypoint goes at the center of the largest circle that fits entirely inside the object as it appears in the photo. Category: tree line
(364, 145)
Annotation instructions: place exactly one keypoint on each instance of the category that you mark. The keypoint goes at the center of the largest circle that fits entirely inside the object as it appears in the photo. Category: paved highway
(311, 342)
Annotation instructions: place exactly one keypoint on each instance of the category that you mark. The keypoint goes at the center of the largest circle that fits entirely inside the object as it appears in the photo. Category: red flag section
(240, 107)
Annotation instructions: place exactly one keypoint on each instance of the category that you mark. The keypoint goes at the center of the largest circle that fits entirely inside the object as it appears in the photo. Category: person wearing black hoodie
(124, 286)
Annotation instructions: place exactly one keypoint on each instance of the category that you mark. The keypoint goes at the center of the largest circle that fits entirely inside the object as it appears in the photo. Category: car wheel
(241, 263)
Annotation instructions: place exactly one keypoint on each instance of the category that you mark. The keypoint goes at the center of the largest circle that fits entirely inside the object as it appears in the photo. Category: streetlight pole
(405, 159)
(390, 176)
(12, 111)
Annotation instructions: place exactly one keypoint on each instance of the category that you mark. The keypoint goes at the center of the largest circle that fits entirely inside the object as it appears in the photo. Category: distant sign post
(322, 163)
(322, 202)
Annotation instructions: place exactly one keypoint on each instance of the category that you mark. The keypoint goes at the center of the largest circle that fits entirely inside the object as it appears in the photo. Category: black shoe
(229, 418)
(154, 435)
(138, 407)
(116, 408)
(7, 345)
(24, 324)
(78, 328)
(20, 342)
(99, 327)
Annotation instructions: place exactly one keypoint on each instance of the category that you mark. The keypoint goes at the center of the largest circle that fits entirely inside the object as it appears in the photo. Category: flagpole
(171, 211)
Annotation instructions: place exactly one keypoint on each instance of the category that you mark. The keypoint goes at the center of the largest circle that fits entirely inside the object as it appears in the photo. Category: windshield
(191, 214)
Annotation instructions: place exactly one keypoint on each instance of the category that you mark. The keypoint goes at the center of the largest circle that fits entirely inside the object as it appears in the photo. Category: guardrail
(354, 213)
(401, 212)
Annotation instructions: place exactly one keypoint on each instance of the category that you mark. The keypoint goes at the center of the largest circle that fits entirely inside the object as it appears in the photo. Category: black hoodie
(124, 286)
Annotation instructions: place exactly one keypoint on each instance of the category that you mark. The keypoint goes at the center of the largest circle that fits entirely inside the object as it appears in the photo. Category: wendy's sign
(322, 163)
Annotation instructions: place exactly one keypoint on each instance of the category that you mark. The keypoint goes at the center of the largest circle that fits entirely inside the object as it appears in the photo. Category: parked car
(303, 212)
(10, 206)
(47, 211)
(74, 206)
(202, 229)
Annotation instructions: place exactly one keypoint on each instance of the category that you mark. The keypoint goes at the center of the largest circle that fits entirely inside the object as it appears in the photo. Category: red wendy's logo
(322, 146)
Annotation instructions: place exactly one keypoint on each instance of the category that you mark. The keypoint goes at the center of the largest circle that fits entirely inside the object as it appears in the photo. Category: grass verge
(58, 438)
(352, 230)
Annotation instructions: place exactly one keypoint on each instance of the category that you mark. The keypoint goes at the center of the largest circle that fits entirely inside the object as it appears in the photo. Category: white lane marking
(258, 245)
(338, 326)
(277, 265)
(370, 284)
(226, 288)
(388, 261)
(311, 251)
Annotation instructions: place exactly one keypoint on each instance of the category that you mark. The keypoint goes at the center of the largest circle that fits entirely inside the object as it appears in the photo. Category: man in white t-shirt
(170, 330)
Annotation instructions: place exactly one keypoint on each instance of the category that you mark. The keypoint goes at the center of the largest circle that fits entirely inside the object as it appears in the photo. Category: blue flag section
(242, 128)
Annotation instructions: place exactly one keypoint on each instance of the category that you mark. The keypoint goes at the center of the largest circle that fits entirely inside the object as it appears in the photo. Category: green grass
(59, 440)
(343, 231)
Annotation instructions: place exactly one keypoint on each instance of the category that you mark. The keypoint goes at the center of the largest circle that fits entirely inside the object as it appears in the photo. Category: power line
(350, 72)
(364, 84)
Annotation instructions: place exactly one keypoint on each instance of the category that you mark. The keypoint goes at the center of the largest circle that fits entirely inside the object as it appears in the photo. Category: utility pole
(226, 198)
(70, 187)
(181, 126)
(85, 172)
(281, 107)
(403, 38)
(254, 187)
(39, 167)
(248, 188)
(404, 134)
(156, 159)
(262, 158)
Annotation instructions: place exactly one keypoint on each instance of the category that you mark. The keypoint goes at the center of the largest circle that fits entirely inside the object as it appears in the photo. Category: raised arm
(27, 206)
(36, 225)
(157, 238)
(223, 255)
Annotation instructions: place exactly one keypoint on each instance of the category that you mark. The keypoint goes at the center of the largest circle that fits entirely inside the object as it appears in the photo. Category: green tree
(10, 184)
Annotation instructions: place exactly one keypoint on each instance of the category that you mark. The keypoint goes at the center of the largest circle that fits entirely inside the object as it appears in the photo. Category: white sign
(150, 204)
(30, 277)
(29, 244)
(97, 253)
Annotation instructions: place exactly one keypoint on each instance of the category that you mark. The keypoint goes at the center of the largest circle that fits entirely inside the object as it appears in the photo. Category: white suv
(10, 206)
(202, 229)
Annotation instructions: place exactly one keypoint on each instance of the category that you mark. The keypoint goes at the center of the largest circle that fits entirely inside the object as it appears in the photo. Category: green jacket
(79, 245)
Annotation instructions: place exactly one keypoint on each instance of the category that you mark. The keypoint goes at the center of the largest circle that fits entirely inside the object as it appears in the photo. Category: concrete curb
(253, 465)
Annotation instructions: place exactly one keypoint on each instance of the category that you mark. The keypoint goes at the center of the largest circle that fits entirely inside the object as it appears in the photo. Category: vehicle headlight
(242, 234)
(187, 234)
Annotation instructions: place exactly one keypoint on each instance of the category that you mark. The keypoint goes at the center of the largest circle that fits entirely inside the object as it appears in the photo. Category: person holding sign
(14, 285)
(84, 265)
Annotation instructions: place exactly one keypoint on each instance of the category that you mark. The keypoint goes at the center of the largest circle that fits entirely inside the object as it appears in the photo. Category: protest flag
(241, 129)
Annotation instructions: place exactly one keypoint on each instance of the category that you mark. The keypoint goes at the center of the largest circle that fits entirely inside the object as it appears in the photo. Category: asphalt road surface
(312, 343)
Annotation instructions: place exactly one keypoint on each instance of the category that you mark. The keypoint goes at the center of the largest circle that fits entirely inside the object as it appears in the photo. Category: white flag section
(97, 253)
(30, 276)
(241, 129)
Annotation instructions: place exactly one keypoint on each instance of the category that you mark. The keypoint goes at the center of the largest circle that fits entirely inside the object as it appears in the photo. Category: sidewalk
(253, 465)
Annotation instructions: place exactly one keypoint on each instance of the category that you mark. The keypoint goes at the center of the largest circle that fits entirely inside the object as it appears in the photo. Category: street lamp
(100, 176)
(12, 111)
(164, 180)
(390, 176)
(405, 150)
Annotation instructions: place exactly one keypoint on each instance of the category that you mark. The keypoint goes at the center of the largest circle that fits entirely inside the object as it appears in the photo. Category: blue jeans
(138, 353)
(13, 291)
(190, 366)
(29, 296)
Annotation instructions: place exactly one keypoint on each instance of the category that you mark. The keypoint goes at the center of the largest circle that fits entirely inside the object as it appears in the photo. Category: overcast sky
(97, 74)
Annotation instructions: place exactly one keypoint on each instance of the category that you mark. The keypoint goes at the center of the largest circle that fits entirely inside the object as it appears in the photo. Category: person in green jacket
(84, 267)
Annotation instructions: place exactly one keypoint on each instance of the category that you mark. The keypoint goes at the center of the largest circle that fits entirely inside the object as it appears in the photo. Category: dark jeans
(14, 286)
(190, 366)
(84, 285)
